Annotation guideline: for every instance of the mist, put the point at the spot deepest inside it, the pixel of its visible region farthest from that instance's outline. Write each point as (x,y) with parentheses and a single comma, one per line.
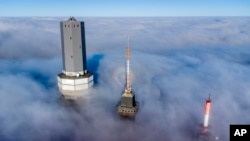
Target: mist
(175,62)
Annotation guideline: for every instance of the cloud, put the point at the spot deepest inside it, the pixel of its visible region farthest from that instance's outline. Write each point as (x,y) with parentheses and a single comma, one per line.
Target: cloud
(176,63)
(26,38)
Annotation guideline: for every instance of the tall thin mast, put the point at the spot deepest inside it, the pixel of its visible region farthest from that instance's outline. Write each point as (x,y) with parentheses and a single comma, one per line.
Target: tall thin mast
(128,86)
(207,113)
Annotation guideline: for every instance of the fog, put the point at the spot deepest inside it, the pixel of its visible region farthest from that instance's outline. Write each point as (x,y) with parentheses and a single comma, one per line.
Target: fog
(176,62)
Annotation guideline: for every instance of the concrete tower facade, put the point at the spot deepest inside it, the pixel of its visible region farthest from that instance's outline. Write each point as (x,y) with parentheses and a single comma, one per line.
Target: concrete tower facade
(74,78)
(128,106)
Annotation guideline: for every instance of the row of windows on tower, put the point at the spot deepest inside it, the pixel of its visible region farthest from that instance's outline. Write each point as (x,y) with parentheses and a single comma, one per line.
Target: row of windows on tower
(127,111)
(73,25)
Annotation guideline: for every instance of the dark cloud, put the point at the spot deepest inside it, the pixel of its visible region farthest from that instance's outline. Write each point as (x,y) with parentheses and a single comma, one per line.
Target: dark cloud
(176,63)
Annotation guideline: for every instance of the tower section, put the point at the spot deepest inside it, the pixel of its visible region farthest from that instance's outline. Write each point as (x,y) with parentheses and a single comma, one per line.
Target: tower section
(74,78)
(207,115)
(128,106)
(205,134)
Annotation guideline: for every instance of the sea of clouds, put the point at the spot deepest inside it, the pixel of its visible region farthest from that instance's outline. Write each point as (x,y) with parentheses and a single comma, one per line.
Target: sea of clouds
(176,62)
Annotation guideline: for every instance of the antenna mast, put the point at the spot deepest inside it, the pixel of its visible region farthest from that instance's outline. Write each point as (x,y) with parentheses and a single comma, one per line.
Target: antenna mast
(128,86)
(207,113)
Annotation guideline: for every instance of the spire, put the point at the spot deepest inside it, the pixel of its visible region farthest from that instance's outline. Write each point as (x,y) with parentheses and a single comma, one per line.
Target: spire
(207,113)
(71,18)
(128,106)
(128,85)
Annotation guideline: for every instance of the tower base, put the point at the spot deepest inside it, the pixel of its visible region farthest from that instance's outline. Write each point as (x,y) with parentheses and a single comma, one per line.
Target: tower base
(128,106)
(72,87)
(128,111)
(206,137)
(204,134)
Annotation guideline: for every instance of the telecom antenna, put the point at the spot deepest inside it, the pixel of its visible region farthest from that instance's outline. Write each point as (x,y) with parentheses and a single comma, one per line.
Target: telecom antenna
(128,86)
(128,106)
(207,113)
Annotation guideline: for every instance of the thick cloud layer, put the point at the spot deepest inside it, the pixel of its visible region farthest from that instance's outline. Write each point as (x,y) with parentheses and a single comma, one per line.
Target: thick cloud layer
(176,63)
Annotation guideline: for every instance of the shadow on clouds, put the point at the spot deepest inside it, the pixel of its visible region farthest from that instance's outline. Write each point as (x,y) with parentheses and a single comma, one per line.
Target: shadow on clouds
(93,64)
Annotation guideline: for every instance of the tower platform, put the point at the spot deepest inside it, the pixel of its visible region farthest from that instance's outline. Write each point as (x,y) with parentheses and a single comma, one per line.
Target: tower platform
(128,106)
(73,87)
(206,137)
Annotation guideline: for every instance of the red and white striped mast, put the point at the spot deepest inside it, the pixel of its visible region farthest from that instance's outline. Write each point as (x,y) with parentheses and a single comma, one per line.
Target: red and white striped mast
(207,113)
(128,85)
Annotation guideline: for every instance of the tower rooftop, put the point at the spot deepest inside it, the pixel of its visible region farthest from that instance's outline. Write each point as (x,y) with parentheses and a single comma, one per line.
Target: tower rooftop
(71,19)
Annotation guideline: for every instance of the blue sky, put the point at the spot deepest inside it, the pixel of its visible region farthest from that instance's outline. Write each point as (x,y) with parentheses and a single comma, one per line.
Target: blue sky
(111,8)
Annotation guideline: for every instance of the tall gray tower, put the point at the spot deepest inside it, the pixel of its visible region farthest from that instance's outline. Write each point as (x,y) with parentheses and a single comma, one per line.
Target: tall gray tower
(74,78)
(128,106)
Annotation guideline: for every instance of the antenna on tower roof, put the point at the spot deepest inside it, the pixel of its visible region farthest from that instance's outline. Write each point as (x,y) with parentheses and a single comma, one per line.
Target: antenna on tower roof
(207,113)
(128,106)
(128,87)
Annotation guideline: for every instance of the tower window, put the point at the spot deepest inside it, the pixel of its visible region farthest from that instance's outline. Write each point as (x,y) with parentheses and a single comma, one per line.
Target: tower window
(74,25)
(71,56)
(65,25)
(68,25)
(70,37)
(78,25)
